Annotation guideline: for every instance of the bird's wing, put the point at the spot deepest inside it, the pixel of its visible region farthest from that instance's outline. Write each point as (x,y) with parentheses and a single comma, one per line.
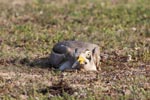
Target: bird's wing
(55,59)
(60,52)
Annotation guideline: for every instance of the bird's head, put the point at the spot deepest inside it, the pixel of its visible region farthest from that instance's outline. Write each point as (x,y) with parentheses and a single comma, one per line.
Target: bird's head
(83,59)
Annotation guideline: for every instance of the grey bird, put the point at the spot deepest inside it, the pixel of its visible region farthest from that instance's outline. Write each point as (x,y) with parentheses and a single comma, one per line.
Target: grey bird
(75,55)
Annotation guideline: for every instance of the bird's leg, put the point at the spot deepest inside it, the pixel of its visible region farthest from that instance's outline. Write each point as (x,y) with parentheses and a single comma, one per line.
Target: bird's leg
(75,65)
(65,65)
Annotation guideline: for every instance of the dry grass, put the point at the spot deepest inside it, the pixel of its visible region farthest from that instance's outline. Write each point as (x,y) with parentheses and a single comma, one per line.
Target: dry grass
(29,29)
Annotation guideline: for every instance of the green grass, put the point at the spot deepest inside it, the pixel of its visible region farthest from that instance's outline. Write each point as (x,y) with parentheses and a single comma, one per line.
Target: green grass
(28,31)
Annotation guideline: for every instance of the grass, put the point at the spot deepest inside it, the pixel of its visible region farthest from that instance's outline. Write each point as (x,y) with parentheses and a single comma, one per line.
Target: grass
(29,29)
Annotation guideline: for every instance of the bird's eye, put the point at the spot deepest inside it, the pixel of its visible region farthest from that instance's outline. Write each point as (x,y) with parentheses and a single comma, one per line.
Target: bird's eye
(88,55)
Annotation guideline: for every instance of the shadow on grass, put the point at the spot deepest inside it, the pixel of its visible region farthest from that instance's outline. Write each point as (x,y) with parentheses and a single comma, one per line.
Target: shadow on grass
(39,62)
(58,89)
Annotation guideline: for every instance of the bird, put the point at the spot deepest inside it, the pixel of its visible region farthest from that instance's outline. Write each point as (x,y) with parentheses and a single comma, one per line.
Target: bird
(75,55)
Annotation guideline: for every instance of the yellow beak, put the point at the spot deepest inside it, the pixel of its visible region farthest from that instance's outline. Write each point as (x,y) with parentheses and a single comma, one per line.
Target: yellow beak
(81,60)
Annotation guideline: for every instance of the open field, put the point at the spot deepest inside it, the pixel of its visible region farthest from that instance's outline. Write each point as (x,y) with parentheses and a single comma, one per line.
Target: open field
(30,28)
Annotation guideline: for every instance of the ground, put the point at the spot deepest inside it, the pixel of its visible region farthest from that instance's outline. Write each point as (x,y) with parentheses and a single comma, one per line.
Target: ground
(30,28)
